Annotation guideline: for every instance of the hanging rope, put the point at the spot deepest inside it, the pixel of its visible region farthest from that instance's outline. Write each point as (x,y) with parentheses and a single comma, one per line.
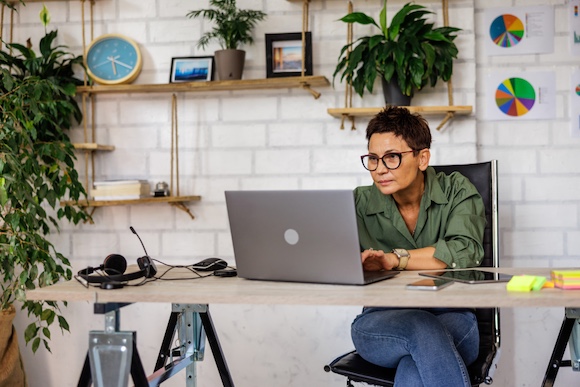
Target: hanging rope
(11,28)
(174,147)
(2,21)
(445,4)
(305,11)
(93,131)
(92,18)
(89,156)
(348,90)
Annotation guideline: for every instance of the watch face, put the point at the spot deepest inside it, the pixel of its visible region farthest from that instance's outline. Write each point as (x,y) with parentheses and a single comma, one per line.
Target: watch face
(401,252)
(113,59)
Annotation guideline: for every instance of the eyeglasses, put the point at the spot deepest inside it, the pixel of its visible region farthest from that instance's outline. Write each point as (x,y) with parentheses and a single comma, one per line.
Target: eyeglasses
(390,160)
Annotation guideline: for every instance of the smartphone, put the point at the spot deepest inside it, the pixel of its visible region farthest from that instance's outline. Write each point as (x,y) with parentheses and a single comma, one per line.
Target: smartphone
(429,284)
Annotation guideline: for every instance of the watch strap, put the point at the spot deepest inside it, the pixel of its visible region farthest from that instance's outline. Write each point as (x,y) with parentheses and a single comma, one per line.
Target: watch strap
(403,256)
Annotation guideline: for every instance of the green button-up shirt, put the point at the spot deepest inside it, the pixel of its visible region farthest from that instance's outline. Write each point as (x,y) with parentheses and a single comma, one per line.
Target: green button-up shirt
(451,219)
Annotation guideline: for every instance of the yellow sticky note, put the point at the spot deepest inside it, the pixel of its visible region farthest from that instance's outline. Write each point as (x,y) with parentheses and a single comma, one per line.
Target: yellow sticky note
(521,283)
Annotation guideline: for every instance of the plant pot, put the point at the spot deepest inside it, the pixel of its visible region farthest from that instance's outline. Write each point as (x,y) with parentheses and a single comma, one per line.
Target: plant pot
(230,64)
(11,367)
(393,94)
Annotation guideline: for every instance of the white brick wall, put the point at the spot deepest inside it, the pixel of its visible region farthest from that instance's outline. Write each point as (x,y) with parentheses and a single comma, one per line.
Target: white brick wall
(284,139)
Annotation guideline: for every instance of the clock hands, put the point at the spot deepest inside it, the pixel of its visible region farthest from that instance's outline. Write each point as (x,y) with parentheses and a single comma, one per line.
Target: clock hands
(114,60)
(123,64)
(102,63)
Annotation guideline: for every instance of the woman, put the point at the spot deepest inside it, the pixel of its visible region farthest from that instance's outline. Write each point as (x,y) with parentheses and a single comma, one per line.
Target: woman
(412,218)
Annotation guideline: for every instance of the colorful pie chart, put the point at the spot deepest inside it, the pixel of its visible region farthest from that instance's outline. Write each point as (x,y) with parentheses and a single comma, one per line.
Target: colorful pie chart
(506,30)
(515,97)
(578,89)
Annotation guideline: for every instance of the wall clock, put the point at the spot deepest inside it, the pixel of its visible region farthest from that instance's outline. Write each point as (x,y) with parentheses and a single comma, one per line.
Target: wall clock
(113,59)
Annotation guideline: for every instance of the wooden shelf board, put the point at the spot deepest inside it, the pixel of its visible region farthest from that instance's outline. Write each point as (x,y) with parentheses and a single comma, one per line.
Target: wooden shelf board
(423,110)
(37,1)
(151,200)
(93,147)
(244,84)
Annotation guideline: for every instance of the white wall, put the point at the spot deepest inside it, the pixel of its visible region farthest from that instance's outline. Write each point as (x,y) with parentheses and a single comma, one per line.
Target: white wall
(284,138)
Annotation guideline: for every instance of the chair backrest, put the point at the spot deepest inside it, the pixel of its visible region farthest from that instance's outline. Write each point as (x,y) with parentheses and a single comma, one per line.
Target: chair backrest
(484,177)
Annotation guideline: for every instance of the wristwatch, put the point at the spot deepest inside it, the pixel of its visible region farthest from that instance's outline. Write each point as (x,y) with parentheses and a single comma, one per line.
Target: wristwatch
(403,256)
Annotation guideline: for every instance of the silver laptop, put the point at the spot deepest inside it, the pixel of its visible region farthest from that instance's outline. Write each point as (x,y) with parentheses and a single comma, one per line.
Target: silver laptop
(301,236)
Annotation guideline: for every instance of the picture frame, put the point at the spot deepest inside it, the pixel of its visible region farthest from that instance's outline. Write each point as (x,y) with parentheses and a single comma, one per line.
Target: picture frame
(284,55)
(192,69)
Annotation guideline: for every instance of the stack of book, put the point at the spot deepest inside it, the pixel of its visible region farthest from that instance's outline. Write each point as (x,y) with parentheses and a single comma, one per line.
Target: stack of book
(566,279)
(120,189)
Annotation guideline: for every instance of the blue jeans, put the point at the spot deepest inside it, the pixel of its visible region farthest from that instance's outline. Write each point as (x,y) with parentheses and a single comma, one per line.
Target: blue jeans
(428,346)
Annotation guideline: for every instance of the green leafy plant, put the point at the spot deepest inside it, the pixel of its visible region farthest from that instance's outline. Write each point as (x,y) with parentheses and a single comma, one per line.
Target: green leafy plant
(233,26)
(410,51)
(37,107)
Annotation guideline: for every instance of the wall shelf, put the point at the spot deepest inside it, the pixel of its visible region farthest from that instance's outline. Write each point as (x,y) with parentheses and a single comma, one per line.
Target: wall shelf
(305,82)
(423,110)
(90,146)
(448,111)
(177,201)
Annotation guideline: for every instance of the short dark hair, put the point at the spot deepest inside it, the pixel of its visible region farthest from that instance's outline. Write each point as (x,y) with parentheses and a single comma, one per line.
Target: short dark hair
(412,128)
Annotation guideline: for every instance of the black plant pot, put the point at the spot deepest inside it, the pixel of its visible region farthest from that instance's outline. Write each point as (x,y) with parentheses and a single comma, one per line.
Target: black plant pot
(393,94)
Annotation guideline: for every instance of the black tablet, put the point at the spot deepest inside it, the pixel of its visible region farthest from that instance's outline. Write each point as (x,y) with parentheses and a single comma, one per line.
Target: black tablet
(468,276)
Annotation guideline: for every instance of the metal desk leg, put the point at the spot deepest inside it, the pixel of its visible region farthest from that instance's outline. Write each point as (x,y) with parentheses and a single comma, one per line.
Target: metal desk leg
(165,351)
(191,322)
(112,354)
(216,349)
(571,316)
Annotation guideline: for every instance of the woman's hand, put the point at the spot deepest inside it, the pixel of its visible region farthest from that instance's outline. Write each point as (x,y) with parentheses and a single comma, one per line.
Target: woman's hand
(375,260)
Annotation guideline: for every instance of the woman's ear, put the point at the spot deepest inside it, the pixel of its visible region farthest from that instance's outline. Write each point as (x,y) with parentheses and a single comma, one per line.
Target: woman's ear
(424,157)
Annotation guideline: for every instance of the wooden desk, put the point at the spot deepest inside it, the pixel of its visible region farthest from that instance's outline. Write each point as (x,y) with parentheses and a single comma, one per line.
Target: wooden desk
(392,292)
(234,290)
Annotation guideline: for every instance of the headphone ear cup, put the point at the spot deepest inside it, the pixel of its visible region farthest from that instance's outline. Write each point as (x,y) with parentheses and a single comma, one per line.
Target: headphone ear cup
(114,264)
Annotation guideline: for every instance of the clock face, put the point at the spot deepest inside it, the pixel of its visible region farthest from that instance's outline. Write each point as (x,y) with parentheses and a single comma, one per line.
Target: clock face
(113,59)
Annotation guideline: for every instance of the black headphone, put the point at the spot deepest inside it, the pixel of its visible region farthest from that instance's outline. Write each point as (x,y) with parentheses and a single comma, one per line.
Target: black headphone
(113,267)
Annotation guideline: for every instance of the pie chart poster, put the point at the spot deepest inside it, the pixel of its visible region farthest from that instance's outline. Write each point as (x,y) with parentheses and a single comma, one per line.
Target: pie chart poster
(519,30)
(520,96)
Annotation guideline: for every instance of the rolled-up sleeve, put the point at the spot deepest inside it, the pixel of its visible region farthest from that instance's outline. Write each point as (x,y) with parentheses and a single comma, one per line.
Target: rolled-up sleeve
(461,243)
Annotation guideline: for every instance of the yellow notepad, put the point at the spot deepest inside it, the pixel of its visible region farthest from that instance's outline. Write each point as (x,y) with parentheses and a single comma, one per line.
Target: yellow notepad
(525,283)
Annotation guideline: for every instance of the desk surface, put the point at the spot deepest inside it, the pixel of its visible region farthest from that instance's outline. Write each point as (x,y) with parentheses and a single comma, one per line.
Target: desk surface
(392,292)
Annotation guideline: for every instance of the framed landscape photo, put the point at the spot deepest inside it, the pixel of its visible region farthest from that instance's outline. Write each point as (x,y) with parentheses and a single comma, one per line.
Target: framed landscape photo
(284,55)
(192,69)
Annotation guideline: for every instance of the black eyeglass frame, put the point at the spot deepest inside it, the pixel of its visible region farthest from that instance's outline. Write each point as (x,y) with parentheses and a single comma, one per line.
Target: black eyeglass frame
(398,154)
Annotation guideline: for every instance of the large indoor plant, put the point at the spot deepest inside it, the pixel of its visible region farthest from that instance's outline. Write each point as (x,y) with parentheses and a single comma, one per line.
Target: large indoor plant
(410,53)
(37,106)
(233,28)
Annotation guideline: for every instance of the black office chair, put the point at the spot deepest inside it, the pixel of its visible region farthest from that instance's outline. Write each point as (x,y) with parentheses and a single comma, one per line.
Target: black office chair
(356,369)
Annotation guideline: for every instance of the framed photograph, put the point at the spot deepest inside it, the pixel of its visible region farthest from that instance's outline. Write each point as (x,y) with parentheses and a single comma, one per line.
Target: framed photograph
(191,69)
(284,55)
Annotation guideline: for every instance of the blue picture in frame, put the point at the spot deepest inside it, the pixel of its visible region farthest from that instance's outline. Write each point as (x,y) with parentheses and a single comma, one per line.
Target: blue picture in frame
(192,69)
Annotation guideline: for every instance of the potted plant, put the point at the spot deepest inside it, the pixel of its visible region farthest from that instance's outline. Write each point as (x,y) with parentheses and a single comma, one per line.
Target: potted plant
(410,53)
(37,107)
(233,27)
